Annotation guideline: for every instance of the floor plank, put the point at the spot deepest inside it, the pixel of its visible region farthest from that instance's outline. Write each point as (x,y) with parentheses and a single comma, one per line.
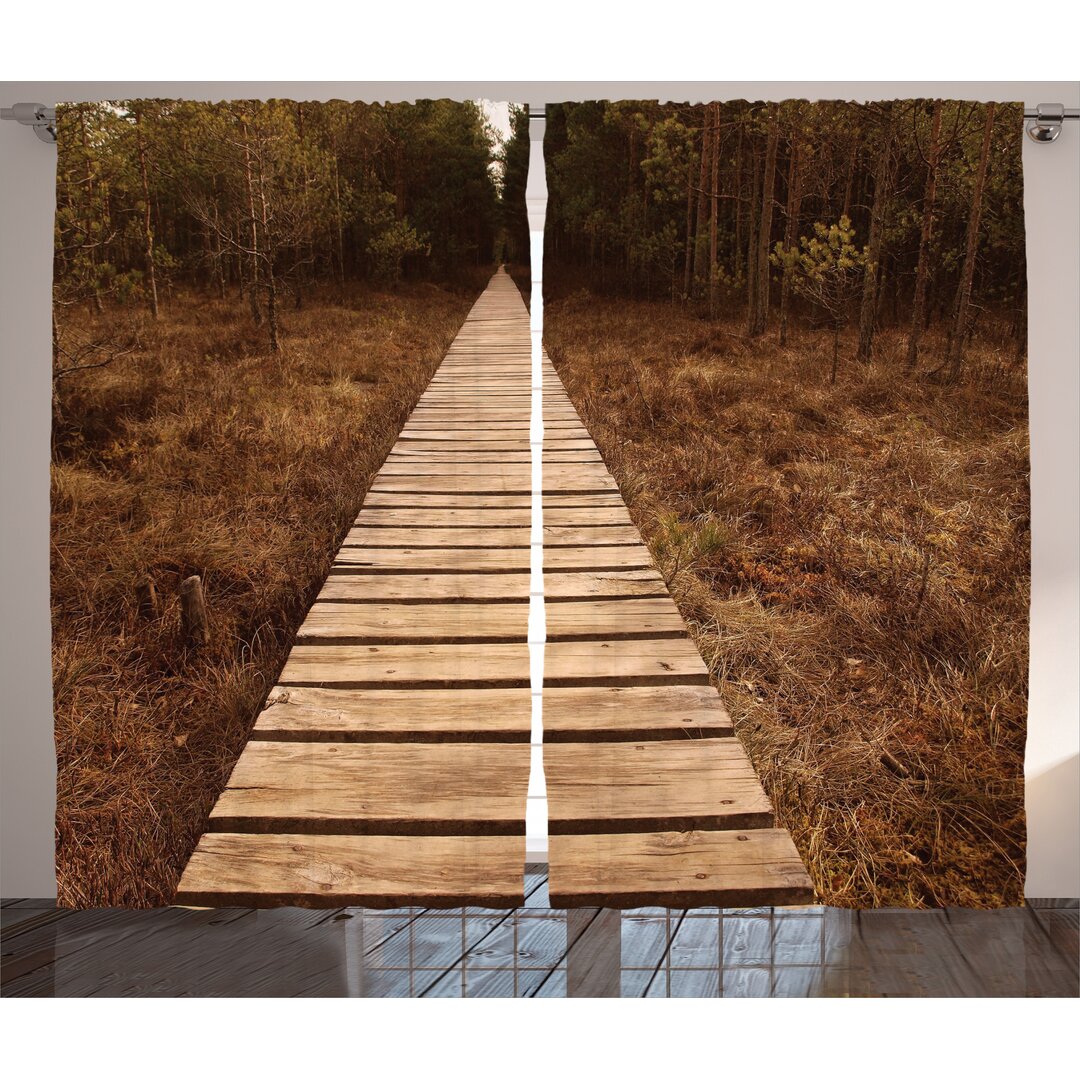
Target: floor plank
(676,869)
(367,871)
(655,786)
(594,713)
(405,624)
(309,714)
(386,788)
(416,666)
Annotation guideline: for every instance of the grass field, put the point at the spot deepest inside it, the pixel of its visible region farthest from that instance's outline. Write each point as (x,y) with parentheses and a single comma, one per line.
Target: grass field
(853,561)
(198,452)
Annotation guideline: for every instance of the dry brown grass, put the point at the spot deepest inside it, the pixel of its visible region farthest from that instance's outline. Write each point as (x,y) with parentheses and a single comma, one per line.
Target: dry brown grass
(201,453)
(853,561)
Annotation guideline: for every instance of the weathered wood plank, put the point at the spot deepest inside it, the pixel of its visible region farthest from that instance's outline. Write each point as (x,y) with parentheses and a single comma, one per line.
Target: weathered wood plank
(598,557)
(417,536)
(425,560)
(376,788)
(677,869)
(388,500)
(399,624)
(583,517)
(445,518)
(654,786)
(425,588)
(610,619)
(611,584)
(311,714)
(659,662)
(600,713)
(361,871)
(417,666)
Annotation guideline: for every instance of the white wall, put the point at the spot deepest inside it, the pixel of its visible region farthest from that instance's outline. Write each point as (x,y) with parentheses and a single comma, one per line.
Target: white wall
(1052,179)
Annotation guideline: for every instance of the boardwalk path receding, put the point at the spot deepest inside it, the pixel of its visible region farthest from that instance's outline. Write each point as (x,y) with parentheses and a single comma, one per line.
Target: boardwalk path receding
(391,766)
(651,800)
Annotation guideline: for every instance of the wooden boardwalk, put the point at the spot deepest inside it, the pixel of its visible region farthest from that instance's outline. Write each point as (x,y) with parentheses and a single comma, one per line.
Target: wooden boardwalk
(651,800)
(391,765)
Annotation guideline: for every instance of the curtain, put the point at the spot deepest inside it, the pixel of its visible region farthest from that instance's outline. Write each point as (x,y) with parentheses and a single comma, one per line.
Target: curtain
(772,547)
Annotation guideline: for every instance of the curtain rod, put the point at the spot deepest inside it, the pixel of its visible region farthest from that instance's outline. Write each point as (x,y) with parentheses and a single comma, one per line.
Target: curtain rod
(1043,122)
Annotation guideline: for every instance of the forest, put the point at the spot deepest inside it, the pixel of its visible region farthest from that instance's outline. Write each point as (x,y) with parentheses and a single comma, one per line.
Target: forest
(249,297)
(901,213)
(797,333)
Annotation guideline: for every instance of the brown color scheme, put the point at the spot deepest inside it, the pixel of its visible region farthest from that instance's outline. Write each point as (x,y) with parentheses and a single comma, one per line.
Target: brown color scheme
(406,789)
(230,869)
(404,708)
(613,713)
(315,714)
(632,823)
(676,869)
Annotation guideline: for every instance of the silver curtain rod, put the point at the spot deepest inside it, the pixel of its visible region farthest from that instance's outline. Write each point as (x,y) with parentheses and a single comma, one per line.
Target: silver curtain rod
(1043,122)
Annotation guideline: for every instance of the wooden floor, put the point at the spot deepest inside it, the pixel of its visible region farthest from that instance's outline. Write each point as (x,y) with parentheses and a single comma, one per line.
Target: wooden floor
(391,764)
(538,951)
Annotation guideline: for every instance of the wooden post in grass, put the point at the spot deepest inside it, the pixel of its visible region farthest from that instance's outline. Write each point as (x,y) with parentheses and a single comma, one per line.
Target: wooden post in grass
(193,611)
(146,594)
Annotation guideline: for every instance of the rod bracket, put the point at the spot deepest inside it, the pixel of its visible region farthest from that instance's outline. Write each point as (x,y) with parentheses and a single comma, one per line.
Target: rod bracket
(1045,125)
(33,114)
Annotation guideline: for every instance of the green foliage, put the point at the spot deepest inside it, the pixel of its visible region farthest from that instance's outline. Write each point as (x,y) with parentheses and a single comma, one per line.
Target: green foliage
(828,268)
(271,195)
(390,246)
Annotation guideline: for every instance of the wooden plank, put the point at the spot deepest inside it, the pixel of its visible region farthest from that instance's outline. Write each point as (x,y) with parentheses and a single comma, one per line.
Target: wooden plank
(427,560)
(439,518)
(425,588)
(596,713)
(677,869)
(609,584)
(417,666)
(417,536)
(610,619)
(580,536)
(361,871)
(407,789)
(311,714)
(582,517)
(509,471)
(596,500)
(598,557)
(659,662)
(654,786)
(399,624)
(456,484)
(395,500)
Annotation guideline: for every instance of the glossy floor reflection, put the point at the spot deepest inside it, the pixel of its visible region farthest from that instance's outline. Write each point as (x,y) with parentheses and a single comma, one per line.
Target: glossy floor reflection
(537,951)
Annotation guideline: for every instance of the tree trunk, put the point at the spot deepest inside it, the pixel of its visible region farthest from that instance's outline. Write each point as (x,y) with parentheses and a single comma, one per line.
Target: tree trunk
(868,309)
(759,312)
(702,211)
(850,181)
(752,235)
(688,256)
(791,231)
(269,255)
(714,201)
(926,234)
(967,274)
(253,282)
(148,229)
(340,227)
